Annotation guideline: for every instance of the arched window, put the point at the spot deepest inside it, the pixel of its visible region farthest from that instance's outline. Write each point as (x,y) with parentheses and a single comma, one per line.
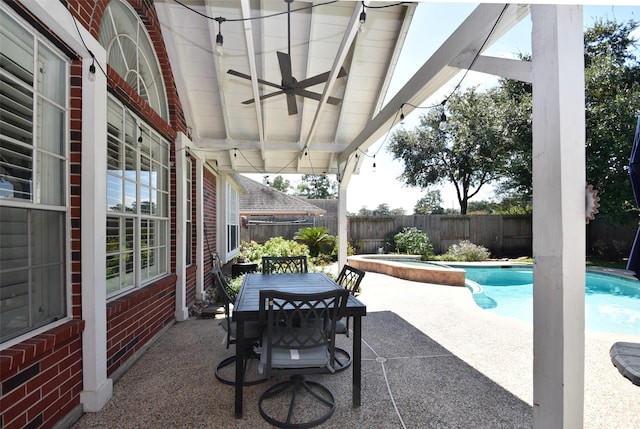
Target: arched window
(137,159)
(131,54)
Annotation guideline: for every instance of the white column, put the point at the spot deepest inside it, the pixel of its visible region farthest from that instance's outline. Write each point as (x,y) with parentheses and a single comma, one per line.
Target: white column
(342,226)
(97,387)
(200,286)
(182,312)
(558,216)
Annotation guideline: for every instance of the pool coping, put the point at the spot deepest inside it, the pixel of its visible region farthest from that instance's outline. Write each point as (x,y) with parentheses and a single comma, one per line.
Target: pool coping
(436,273)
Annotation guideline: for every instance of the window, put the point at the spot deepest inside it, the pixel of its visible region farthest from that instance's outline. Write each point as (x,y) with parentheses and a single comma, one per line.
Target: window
(137,201)
(33,180)
(232,220)
(130,53)
(188,221)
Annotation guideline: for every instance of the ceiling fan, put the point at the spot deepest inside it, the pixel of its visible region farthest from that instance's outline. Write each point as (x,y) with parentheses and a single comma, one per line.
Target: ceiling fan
(289,85)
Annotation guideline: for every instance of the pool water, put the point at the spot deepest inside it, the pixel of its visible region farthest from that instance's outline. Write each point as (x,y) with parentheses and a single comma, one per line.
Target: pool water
(612,303)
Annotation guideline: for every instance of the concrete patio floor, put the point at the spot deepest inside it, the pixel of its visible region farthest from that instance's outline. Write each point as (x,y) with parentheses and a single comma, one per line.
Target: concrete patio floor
(431,359)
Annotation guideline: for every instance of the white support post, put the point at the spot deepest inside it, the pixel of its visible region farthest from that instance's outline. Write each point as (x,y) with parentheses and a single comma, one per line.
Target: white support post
(558,216)
(181,312)
(97,388)
(342,226)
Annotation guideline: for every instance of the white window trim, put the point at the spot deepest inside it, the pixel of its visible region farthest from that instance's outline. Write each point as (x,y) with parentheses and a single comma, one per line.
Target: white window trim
(66,209)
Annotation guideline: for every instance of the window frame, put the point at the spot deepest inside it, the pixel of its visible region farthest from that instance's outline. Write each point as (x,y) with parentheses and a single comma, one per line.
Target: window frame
(46,95)
(131,142)
(189,211)
(231,220)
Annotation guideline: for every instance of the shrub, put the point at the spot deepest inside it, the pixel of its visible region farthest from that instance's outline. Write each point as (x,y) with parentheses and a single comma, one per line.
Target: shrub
(467,251)
(413,241)
(250,251)
(278,246)
(317,238)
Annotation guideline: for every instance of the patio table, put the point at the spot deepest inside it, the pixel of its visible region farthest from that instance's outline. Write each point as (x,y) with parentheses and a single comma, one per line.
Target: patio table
(247,305)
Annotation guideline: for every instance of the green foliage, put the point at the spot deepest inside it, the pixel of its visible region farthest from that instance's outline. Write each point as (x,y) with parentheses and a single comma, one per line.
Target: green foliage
(280,184)
(364,211)
(612,79)
(471,151)
(431,203)
(250,251)
(467,252)
(316,238)
(413,241)
(612,97)
(278,246)
(317,186)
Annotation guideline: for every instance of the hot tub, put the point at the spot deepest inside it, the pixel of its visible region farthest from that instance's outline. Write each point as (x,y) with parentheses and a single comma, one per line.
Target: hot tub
(409,267)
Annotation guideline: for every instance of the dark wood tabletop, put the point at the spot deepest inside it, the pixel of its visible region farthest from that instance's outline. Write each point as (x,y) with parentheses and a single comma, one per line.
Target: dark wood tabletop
(248,299)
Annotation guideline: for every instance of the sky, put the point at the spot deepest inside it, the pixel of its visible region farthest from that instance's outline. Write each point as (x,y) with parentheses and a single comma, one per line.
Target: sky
(419,45)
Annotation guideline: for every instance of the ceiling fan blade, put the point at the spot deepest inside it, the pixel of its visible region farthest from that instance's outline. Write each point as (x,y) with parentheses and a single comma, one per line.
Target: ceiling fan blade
(316,96)
(246,76)
(285,68)
(320,78)
(292,106)
(263,97)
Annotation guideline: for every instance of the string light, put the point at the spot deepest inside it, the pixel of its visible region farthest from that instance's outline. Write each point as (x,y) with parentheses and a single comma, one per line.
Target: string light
(92,70)
(363,18)
(219,38)
(374,163)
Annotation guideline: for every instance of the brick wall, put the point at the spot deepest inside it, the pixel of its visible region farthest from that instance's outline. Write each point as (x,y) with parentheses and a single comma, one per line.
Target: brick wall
(209,202)
(136,318)
(41,378)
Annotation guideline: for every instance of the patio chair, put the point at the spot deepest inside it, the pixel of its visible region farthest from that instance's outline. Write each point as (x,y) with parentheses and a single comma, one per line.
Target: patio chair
(349,278)
(284,264)
(225,369)
(297,341)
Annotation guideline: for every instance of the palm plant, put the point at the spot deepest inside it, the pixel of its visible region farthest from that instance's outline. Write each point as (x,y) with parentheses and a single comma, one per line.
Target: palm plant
(315,238)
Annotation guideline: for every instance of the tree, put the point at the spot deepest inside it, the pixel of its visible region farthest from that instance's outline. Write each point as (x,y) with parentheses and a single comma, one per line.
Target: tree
(612,79)
(382,210)
(317,186)
(280,184)
(612,97)
(431,203)
(398,212)
(364,211)
(470,152)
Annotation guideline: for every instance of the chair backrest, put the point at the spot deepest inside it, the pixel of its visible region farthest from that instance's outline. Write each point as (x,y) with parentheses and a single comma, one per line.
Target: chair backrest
(300,330)
(350,278)
(225,299)
(284,264)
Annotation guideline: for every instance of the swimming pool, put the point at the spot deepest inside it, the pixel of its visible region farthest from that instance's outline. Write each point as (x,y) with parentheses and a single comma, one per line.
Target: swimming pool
(612,303)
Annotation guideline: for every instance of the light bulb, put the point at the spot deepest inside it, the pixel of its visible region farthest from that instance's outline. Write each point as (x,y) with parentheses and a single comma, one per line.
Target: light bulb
(92,72)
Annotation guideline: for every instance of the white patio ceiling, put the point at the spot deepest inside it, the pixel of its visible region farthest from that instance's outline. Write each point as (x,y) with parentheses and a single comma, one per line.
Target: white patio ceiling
(263,137)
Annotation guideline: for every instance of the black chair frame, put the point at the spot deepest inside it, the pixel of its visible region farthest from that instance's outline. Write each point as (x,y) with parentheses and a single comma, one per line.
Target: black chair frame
(299,322)
(284,264)
(349,278)
(252,329)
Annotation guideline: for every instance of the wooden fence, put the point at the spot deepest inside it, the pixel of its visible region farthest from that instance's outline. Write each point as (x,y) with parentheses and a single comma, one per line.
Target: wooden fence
(503,235)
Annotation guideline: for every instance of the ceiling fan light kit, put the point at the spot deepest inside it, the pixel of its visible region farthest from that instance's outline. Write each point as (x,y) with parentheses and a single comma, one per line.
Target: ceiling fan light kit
(289,84)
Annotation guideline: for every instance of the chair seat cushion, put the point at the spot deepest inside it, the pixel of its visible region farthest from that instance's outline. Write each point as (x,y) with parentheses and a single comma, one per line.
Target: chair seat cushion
(287,357)
(252,330)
